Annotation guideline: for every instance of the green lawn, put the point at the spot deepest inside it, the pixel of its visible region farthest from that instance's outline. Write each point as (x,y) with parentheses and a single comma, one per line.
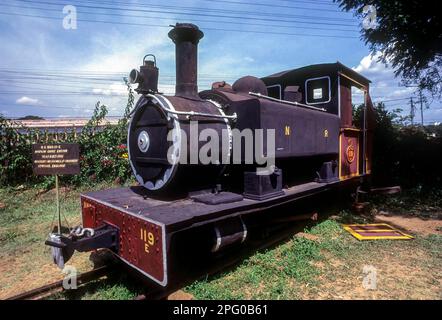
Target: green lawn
(328,263)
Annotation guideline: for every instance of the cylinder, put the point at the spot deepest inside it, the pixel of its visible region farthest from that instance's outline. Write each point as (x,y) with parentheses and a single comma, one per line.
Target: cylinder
(229,232)
(186,37)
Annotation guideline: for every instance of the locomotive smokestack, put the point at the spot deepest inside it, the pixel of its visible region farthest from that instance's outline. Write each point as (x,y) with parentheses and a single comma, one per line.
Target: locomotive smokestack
(186,37)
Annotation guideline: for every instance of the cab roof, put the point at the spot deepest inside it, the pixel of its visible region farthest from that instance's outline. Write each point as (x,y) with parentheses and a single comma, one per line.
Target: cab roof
(313,71)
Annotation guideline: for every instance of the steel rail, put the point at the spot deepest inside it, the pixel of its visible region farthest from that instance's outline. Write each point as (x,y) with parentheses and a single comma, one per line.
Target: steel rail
(280,233)
(52,288)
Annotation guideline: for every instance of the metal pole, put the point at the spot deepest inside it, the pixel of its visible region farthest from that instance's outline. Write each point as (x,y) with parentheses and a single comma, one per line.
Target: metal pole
(58,204)
(422,110)
(412,110)
(364,132)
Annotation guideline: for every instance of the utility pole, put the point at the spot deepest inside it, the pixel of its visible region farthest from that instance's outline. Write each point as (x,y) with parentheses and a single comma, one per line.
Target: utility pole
(412,110)
(421,101)
(422,109)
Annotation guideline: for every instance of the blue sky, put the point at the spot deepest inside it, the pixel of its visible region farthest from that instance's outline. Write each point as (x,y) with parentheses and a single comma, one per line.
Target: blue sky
(49,71)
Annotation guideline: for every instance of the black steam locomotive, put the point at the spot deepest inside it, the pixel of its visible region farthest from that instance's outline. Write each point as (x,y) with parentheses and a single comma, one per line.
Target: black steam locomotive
(300,107)
(272,141)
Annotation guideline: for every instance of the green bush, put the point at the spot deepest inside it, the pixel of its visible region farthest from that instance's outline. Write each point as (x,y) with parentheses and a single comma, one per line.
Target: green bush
(404,154)
(102,150)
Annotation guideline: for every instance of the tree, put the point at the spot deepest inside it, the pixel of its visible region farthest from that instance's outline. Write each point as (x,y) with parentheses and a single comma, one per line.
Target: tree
(30,117)
(408,34)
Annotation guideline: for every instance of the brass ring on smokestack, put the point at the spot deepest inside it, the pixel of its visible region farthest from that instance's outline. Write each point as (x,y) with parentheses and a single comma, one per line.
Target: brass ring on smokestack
(186,37)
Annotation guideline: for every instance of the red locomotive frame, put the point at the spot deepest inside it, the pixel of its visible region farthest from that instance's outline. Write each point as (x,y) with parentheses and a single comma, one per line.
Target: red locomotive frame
(141,242)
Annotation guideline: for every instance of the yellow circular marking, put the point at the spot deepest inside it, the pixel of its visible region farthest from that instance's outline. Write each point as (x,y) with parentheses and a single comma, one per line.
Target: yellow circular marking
(350,153)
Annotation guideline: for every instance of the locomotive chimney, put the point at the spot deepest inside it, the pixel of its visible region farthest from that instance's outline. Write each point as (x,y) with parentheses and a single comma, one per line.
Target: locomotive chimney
(186,37)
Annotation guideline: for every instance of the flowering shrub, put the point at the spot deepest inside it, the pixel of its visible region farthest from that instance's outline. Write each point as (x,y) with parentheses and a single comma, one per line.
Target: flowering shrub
(15,153)
(103,153)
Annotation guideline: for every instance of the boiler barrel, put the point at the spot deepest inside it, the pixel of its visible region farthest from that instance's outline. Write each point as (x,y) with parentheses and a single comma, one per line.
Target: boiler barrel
(167,136)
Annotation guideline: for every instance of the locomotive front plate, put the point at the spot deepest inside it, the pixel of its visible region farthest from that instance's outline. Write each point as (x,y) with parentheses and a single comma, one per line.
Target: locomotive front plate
(142,241)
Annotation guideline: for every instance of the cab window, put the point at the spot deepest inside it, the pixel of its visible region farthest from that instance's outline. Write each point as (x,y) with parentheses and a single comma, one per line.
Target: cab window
(317,90)
(274,91)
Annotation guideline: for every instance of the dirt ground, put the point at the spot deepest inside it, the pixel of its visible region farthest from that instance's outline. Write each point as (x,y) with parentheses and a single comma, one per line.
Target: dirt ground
(28,270)
(403,270)
(412,224)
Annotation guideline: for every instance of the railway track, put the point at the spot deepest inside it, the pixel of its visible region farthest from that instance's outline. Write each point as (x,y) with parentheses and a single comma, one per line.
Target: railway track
(152,292)
(56,287)
(232,260)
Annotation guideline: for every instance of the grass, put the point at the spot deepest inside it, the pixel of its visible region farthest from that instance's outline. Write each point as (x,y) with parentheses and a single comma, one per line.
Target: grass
(26,218)
(325,263)
(270,274)
(28,215)
(330,266)
(116,286)
(414,202)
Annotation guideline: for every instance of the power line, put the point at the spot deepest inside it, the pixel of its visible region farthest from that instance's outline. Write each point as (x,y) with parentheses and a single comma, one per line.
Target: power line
(54,107)
(254,4)
(66,117)
(399,99)
(41,93)
(318,2)
(44,72)
(167,26)
(68,76)
(21,74)
(267,5)
(221,10)
(196,20)
(103,81)
(313,1)
(191,14)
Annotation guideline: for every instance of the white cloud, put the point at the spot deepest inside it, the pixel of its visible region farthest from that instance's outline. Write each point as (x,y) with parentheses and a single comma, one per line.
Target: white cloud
(113,89)
(168,89)
(115,56)
(122,52)
(370,64)
(28,101)
(386,86)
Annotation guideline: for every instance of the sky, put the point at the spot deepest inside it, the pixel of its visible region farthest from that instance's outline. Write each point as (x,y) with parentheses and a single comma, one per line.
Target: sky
(50,71)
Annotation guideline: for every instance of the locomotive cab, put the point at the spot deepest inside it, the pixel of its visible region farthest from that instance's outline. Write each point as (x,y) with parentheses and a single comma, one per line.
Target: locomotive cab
(329,87)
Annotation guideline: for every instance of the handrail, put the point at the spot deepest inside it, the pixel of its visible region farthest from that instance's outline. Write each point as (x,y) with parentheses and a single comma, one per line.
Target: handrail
(286,102)
(190,114)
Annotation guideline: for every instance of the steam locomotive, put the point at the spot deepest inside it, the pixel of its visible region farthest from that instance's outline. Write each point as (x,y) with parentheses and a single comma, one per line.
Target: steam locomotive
(266,141)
